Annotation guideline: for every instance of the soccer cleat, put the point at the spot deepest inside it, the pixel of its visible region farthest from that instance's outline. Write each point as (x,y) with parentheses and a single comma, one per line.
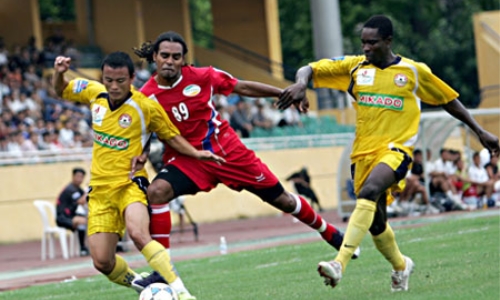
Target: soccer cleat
(336,242)
(186,296)
(146,279)
(400,279)
(331,272)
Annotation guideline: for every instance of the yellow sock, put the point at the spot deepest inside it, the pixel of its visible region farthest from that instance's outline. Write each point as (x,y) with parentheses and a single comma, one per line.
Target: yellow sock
(386,244)
(121,274)
(159,259)
(359,223)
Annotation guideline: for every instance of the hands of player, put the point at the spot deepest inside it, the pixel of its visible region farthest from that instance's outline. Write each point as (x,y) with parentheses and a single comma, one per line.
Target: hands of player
(137,163)
(207,155)
(61,64)
(490,142)
(294,94)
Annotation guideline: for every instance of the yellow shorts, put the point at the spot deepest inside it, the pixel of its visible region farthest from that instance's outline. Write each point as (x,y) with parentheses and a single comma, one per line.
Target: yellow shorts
(107,204)
(397,161)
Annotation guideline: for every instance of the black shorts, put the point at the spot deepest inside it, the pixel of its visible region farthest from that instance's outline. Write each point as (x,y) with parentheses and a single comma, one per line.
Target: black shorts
(65,222)
(181,184)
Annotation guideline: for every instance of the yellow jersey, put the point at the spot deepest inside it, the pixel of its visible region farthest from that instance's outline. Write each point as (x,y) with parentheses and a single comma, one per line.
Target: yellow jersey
(387,101)
(120,133)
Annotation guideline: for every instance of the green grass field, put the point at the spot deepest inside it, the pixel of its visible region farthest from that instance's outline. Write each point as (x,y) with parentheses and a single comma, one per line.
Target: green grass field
(455,259)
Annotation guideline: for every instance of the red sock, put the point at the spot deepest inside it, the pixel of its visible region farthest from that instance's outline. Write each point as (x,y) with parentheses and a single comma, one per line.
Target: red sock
(161,224)
(306,214)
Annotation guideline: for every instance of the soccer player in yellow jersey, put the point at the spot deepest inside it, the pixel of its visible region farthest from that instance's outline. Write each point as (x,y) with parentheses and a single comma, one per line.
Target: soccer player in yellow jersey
(122,121)
(388,90)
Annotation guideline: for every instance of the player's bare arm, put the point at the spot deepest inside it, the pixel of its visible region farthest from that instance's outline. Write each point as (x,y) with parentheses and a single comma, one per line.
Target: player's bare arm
(457,110)
(296,93)
(256,89)
(61,65)
(184,147)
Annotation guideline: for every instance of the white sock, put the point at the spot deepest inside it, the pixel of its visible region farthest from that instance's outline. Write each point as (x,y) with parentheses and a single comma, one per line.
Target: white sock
(178,286)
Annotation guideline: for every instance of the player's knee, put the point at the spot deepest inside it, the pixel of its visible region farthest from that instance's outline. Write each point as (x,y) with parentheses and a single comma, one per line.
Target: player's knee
(159,193)
(285,202)
(102,264)
(370,191)
(377,228)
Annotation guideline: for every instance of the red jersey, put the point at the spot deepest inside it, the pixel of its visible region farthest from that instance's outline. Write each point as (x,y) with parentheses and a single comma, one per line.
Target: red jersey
(188,103)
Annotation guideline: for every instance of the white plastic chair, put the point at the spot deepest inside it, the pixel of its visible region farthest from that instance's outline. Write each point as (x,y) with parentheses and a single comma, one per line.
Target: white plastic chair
(47,212)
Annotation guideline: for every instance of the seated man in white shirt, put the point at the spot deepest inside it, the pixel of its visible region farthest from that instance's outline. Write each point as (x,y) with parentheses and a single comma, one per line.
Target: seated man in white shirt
(479,178)
(440,174)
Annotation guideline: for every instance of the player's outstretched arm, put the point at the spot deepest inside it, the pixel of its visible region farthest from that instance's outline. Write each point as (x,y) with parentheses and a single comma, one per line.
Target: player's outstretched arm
(184,147)
(256,89)
(61,65)
(296,93)
(457,110)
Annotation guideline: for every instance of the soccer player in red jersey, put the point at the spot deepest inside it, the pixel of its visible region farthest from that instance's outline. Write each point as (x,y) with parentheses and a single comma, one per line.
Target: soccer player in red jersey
(185,92)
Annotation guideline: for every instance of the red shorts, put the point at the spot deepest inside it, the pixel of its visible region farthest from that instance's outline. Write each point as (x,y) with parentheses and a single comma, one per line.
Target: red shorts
(242,169)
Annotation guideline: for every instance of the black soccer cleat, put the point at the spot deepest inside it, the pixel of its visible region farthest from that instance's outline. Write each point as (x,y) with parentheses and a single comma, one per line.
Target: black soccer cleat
(141,283)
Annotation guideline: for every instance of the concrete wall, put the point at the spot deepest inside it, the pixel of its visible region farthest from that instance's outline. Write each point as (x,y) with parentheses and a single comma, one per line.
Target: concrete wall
(16,22)
(486,34)
(20,185)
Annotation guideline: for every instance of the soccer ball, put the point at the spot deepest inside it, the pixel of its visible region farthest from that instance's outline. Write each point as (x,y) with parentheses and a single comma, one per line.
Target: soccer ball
(158,291)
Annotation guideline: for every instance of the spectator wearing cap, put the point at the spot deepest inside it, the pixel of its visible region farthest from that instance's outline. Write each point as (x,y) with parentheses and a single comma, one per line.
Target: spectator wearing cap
(260,118)
(240,119)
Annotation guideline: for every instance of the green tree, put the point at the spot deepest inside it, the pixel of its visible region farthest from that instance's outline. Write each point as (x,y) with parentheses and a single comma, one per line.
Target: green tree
(201,22)
(57,10)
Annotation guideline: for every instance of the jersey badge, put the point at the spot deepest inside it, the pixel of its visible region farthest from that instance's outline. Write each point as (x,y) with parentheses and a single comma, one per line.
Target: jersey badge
(400,80)
(365,77)
(80,85)
(125,120)
(98,112)
(191,90)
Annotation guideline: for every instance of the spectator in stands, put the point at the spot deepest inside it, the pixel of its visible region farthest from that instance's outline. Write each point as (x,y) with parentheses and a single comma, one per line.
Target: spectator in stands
(291,117)
(4,54)
(492,168)
(31,76)
(479,178)
(66,134)
(485,156)
(35,140)
(142,74)
(240,119)
(69,49)
(71,213)
(441,190)
(4,143)
(415,182)
(260,118)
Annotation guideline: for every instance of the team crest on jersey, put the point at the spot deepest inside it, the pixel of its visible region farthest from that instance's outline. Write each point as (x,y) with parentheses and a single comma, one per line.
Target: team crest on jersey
(98,112)
(365,77)
(400,80)
(191,90)
(125,120)
(80,85)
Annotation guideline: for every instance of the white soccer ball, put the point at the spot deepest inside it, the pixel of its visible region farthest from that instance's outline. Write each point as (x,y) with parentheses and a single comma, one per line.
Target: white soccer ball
(158,291)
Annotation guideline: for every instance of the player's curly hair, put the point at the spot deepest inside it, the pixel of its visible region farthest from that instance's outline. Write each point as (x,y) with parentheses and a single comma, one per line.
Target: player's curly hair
(382,23)
(147,49)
